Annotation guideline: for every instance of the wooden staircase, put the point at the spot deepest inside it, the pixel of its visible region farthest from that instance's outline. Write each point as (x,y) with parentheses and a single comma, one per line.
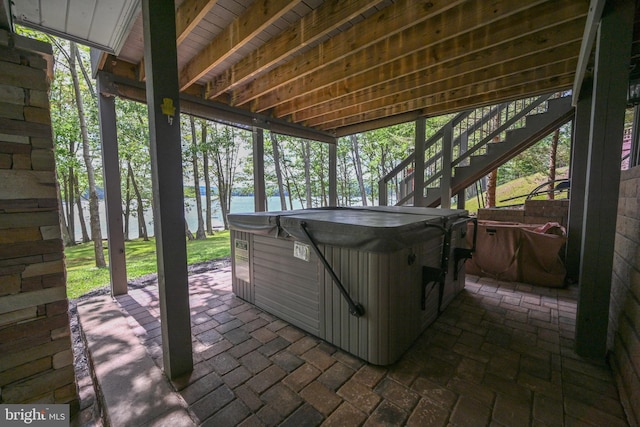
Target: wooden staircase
(479,141)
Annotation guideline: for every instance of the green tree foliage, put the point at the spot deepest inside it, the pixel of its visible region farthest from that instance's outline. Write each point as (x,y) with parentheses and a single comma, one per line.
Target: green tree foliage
(76,139)
(135,162)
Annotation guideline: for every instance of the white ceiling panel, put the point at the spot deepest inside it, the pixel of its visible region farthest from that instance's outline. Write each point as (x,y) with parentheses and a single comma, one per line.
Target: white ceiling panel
(55,12)
(104,24)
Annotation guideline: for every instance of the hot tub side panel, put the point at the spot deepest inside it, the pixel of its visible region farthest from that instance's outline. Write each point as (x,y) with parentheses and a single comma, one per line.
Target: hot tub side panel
(390,289)
(286,286)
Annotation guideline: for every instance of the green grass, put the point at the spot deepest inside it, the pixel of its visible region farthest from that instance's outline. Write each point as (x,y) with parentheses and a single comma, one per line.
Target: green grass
(517,187)
(83,276)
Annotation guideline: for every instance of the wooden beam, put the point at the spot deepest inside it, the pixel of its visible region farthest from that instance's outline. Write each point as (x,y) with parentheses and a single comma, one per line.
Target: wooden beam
(477,48)
(188,16)
(329,16)
(257,17)
(390,20)
(376,123)
(384,59)
(216,111)
(609,101)
(588,38)
(168,193)
(415,93)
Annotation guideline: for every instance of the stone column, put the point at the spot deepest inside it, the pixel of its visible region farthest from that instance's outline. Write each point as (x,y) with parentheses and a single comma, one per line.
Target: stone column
(36,358)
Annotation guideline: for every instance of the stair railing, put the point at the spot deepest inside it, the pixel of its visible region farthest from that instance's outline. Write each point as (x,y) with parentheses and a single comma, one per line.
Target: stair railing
(472,131)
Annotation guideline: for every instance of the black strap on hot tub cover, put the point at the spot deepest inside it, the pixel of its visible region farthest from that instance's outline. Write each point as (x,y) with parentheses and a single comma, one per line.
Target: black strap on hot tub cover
(355,308)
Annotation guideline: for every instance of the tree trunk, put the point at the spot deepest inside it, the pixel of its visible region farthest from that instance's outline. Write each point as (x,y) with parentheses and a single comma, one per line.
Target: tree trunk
(200,233)
(188,232)
(66,237)
(127,206)
(292,186)
(83,225)
(492,181)
(321,177)
(276,162)
(87,79)
(94,215)
(225,159)
(357,163)
(69,196)
(142,225)
(553,154)
(307,173)
(207,179)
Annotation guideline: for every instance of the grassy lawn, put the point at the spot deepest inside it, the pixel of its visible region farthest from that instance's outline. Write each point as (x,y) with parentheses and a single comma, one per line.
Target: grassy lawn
(517,187)
(83,276)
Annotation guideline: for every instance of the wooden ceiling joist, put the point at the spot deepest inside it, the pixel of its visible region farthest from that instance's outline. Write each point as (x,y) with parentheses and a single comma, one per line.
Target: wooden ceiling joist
(479,47)
(254,20)
(188,16)
(527,53)
(389,21)
(425,33)
(408,92)
(343,66)
(537,81)
(311,28)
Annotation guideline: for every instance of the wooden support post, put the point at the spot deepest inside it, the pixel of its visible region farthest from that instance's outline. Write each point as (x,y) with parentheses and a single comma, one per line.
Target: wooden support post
(447,154)
(603,177)
(160,60)
(579,156)
(461,199)
(464,146)
(112,192)
(259,192)
(333,174)
(418,170)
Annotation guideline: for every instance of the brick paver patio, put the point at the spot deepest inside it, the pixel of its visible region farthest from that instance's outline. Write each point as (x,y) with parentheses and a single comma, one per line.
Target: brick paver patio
(501,354)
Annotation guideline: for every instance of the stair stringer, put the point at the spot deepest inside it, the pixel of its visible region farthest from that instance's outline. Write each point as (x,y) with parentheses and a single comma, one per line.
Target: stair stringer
(538,126)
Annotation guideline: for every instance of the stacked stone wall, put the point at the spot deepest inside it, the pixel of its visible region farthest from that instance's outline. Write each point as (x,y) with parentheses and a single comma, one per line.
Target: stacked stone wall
(624,312)
(533,212)
(36,358)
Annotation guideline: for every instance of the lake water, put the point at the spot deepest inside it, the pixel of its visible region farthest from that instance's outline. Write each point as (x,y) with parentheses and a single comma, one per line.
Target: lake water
(238,204)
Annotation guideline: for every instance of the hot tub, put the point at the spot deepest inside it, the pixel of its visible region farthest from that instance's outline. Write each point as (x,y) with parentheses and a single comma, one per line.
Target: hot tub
(368,280)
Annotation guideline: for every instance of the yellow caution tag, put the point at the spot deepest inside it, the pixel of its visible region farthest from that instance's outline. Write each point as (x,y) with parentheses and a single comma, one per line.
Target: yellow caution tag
(168,109)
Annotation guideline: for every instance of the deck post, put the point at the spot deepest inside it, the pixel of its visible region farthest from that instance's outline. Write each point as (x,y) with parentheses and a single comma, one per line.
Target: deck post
(578,177)
(447,154)
(418,170)
(112,192)
(160,60)
(464,146)
(333,173)
(259,192)
(611,74)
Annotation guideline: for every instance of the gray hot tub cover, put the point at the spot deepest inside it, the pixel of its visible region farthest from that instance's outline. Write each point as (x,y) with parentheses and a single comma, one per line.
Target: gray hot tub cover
(371,229)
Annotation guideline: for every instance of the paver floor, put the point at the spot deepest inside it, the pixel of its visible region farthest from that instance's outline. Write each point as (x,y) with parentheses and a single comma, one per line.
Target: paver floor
(501,354)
